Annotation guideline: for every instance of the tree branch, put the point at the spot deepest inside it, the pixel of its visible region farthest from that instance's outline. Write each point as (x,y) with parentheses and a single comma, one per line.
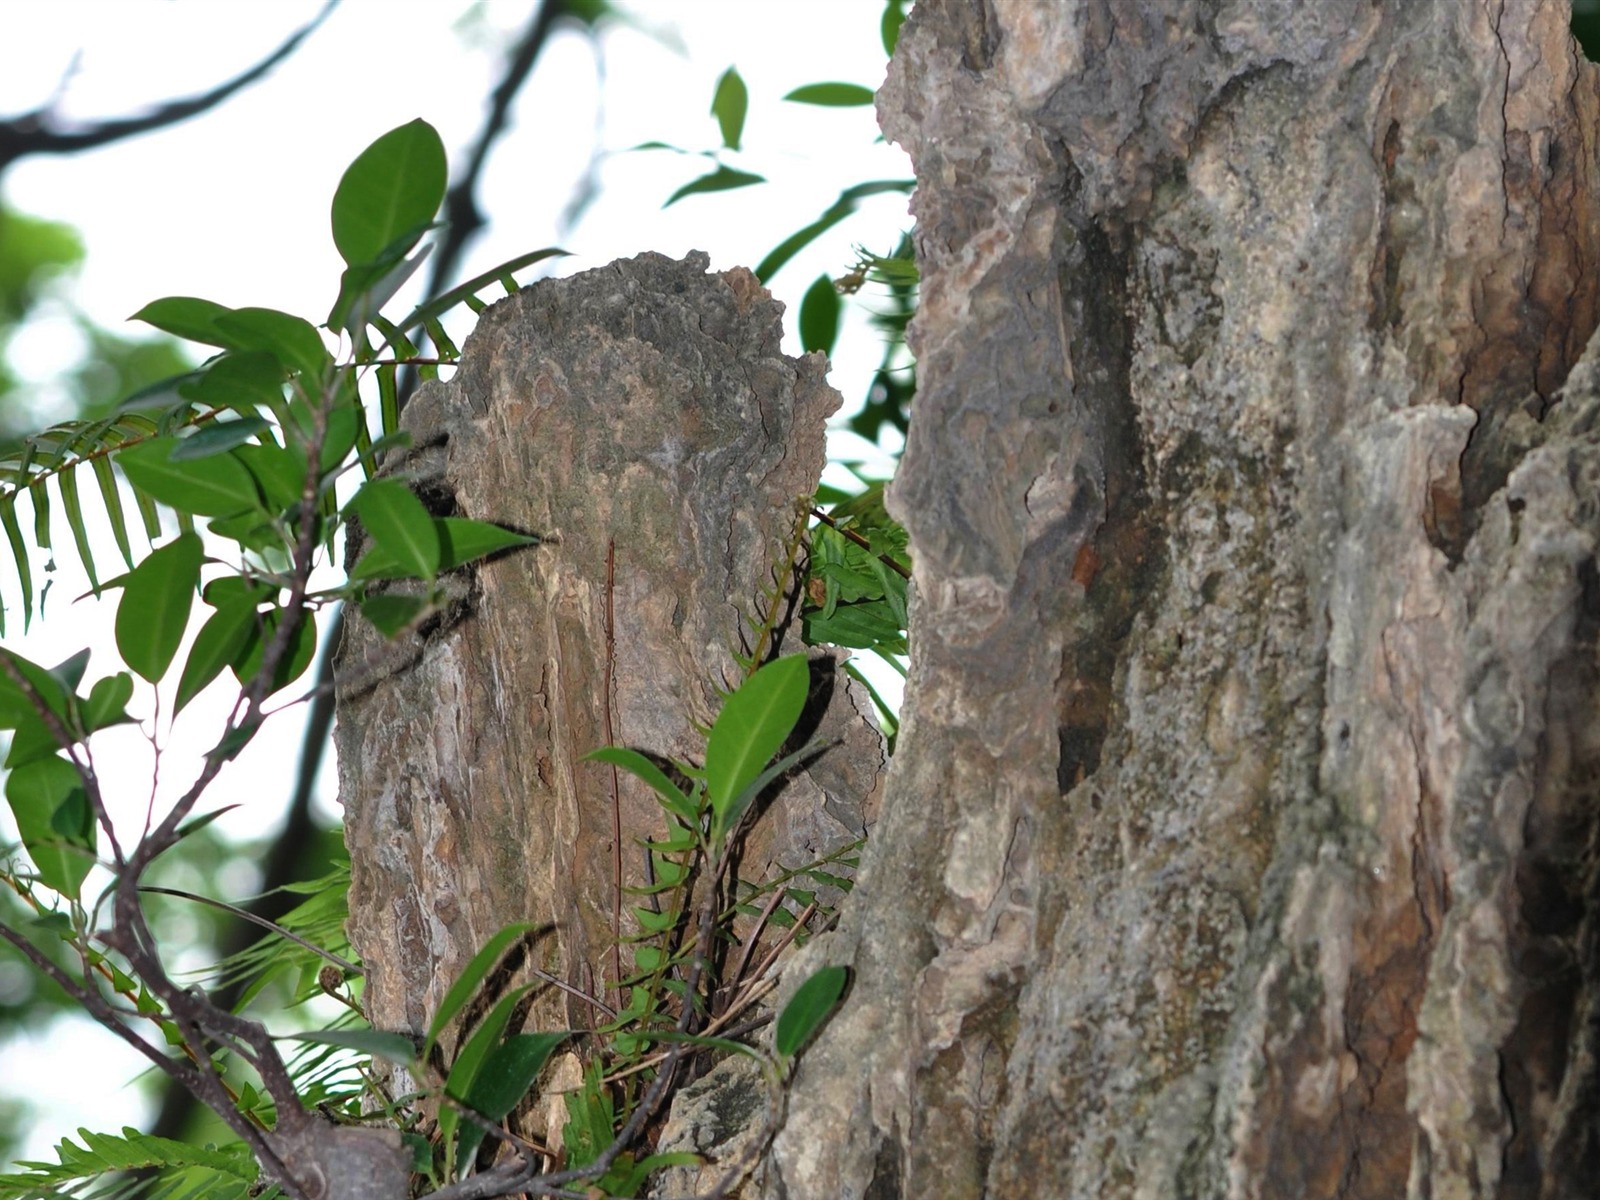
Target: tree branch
(35,132)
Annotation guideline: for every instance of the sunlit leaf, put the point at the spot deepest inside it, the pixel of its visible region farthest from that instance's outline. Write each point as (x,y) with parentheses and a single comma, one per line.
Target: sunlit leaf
(155,604)
(754,722)
(390,192)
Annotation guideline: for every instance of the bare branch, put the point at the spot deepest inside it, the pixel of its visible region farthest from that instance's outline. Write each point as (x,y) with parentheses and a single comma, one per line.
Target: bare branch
(36,133)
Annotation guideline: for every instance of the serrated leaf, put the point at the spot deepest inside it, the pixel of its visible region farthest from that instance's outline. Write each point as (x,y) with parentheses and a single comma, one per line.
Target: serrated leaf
(400,526)
(808,1008)
(154,610)
(729,104)
(754,722)
(723,179)
(832,95)
(218,486)
(391,191)
(819,316)
(459,992)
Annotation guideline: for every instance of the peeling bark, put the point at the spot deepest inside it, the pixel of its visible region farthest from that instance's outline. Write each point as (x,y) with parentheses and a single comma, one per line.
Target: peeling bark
(641,420)
(1242,838)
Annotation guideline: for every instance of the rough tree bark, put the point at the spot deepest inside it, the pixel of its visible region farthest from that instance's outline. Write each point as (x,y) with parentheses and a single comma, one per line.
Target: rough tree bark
(642,420)
(1242,836)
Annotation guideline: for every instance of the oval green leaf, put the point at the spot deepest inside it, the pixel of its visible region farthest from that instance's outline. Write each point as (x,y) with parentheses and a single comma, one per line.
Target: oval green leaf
(292,340)
(832,95)
(208,487)
(217,438)
(220,642)
(808,1008)
(819,316)
(390,192)
(188,317)
(754,722)
(154,610)
(37,792)
(729,104)
(400,525)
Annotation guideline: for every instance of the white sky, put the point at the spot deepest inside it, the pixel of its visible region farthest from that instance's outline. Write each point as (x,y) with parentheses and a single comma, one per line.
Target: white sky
(233,207)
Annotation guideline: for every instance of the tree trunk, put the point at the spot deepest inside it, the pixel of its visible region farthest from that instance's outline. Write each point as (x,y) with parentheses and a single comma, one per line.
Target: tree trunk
(641,419)
(1242,835)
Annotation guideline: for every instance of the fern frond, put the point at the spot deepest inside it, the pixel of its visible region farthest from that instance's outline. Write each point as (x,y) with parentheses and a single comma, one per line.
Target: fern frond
(215,1173)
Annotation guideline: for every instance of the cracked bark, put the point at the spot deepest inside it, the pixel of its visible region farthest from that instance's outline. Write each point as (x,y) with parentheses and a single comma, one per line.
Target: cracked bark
(641,418)
(1242,839)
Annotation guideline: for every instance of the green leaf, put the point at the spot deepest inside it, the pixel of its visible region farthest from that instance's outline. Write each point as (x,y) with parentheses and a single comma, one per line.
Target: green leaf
(219,644)
(243,380)
(218,486)
(471,287)
(808,1008)
(395,1047)
(470,1056)
(217,438)
(15,707)
(36,792)
(459,992)
(301,650)
(754,722)
(391,614)
(111,497)
(729,105)
(461,540)
(894,16)
(502,1081)
(636,764)
(279,471)
(154,610)
(832,95)
(819,316)
(390,192)
(192,319)
(68,482)
(729,816)
(292,340)
(866,625)
(400,526)
(841,208)
(108,702)
(19,555)
(721,180)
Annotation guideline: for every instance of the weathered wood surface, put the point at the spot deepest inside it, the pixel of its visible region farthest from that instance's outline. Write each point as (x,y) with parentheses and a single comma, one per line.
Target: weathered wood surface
(1241,840)
(641,418)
